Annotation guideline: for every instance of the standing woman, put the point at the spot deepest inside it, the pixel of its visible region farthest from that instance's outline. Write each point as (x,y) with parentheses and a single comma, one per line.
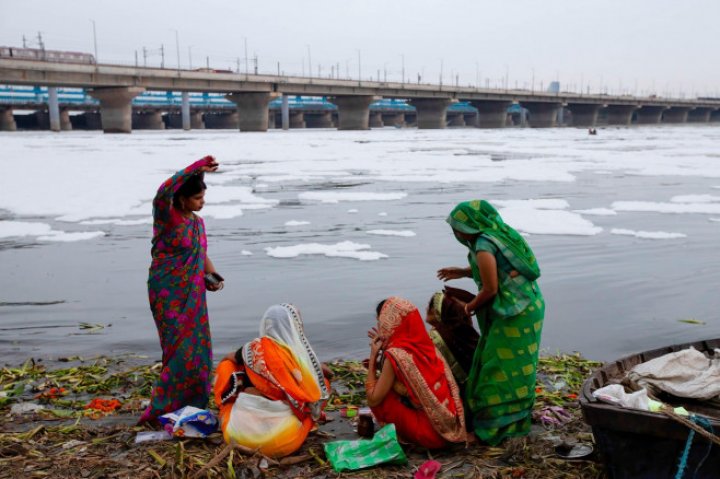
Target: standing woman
(509,306)
(176,287)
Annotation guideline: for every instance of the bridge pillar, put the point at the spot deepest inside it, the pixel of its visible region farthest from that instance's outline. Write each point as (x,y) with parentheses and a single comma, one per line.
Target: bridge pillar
(431,112)
(456,119)
(491,114)
(148,120)
(7,120)
(650,114)
(393,119)
(185,111)
(542,115)
(584,114)
(297,119)
(353,111)
(285,112)
(53,109)
(620,114)
(115,107)
(65,123)
(375,120)
(676,114)
(699,115)
(253,109)
(318,120)
(222,121)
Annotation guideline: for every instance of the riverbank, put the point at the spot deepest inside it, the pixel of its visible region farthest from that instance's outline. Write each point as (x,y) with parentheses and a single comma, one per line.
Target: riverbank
(54,425)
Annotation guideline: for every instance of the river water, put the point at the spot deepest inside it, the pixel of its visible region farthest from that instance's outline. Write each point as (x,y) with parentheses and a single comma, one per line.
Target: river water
(625,225)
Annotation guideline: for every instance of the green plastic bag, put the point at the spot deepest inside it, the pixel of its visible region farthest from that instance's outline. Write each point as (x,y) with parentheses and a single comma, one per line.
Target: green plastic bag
(352,455)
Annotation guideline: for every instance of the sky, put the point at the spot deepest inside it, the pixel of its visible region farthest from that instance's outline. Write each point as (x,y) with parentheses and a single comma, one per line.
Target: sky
(665,47)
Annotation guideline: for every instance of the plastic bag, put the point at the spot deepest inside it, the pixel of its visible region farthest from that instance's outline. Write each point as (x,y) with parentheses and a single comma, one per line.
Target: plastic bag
(189,421)
(352,455)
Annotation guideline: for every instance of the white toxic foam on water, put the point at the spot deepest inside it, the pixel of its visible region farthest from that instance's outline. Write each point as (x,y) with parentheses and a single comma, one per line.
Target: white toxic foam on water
(382,213)
(597,212)
(61,236)
(246,253)
(695,199)
(404,233)
(43,232)
(120,222)
(548,222)
(296,223)
(10,229)
(338,196)
(229,194)
(353,211)
(660,207)
(647,234)
(221,212)
(540,204)
(714,220)
(345,249)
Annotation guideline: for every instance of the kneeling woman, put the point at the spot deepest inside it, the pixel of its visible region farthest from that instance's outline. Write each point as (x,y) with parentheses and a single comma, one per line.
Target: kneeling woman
(415,390)
(272,390)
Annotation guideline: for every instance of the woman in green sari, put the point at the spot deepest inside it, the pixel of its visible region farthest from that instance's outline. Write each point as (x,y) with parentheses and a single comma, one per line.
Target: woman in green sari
(509,307)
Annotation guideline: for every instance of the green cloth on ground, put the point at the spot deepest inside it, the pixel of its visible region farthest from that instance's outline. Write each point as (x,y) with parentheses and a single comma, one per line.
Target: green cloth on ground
(383,448)
(500,390)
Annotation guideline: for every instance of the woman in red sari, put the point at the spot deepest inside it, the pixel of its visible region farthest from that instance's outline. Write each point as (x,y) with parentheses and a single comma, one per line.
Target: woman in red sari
(416,390)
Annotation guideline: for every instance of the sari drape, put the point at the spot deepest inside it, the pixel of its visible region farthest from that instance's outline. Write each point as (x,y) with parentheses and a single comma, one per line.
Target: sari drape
(176,291)
(500,390)
(283,367)
(423,372)
(452,331)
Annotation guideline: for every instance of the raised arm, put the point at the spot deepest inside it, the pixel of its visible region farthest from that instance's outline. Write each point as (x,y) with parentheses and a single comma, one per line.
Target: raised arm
(163,199)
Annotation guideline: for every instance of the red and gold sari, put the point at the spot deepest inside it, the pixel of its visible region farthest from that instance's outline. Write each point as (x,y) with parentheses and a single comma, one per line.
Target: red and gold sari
(435,414)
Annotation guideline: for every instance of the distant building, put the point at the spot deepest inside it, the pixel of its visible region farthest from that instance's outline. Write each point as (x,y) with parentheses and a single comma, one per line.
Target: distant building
(554,87)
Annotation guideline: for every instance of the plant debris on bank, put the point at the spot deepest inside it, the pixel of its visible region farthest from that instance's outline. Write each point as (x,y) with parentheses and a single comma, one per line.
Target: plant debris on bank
(78,421)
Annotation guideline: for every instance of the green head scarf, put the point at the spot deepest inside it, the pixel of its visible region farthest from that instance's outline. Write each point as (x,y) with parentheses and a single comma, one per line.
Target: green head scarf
(479,217)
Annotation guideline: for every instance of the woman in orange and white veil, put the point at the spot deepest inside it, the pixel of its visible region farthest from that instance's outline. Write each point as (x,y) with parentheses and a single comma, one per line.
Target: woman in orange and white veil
(271,391)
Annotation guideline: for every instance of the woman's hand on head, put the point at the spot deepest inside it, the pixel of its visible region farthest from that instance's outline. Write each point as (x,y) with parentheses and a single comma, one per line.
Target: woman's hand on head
(211,165)
(375,347)
(447,274)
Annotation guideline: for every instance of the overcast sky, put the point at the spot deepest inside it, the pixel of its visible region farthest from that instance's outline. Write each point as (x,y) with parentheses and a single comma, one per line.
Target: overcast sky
(628,45)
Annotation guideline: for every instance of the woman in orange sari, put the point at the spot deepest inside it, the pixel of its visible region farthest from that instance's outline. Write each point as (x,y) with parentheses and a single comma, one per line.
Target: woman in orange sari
(415,389)
(271,391)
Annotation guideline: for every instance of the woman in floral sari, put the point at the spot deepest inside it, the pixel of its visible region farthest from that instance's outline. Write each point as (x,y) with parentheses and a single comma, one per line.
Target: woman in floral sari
(176,288)
(415,390)
(500,390)
(271,392)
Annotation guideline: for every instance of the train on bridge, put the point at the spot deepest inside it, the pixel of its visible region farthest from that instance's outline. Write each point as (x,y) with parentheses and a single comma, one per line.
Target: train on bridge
(41,54)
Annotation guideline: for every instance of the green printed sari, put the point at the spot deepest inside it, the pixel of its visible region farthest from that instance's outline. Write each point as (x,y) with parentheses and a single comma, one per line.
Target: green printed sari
(500,390)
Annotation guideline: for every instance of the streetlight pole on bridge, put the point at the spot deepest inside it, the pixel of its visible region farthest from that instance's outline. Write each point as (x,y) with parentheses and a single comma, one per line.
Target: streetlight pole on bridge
(94,40)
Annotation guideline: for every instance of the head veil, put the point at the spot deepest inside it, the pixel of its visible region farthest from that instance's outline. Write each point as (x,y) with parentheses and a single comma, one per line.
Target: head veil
(282,364)
(479,217)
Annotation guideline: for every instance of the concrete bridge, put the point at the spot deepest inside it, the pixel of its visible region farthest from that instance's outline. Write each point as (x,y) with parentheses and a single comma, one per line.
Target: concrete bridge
(116,86)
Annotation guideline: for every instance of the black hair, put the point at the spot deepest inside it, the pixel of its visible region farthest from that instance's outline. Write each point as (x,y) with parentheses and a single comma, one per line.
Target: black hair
(192,186)
(379,306)
(238,357)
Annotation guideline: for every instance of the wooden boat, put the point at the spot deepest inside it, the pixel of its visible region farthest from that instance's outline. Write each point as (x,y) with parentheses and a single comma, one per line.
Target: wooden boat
(641,444)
